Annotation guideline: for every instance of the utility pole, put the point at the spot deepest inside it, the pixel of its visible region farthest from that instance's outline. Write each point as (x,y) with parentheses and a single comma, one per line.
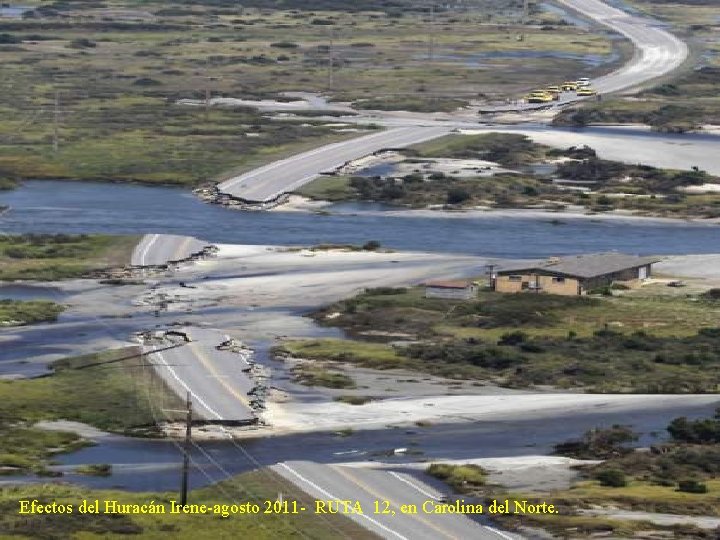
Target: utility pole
(56,122)
(331,61)
(186,452)
(431,34)
(207,99)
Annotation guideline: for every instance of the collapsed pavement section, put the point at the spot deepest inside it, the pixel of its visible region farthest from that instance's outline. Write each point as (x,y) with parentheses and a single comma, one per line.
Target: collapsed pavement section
(163,251)
(225,384)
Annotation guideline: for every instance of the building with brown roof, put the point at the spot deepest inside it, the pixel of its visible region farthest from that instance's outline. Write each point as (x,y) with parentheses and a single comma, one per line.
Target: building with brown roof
(574,275)
(457,289)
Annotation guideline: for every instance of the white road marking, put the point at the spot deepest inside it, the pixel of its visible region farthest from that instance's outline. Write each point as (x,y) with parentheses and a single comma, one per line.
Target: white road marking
(185,386)
(333,497)
(411,484)
(144,252)
(499,533)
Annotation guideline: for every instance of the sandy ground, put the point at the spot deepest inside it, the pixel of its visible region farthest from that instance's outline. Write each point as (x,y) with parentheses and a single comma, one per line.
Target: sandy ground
(522,473)
(271,276)
(704,522)
(298,203)
(329,416)
(705,266)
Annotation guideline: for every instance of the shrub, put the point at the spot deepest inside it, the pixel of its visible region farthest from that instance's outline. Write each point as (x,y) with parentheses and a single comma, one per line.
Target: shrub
(692,486)
(82,43)
(703,431)
(386,291)
(611,478)
(371,245)
(713,295)
(9,39)
(513,338)
(457,195)
(284,45)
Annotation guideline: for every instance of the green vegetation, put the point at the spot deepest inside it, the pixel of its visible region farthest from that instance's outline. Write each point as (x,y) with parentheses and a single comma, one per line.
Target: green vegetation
(674,477)
(462,478)
(5,184)
(18,313)
(507,149)
(603,185)
(670,478)
(106,390)
(96,469)
(25,449)
(327,188)
(412,103)
(51,257)
(254,487)
(682,103)
(354,400)
(639,341)
(318,376)
(599,444)
(119,81)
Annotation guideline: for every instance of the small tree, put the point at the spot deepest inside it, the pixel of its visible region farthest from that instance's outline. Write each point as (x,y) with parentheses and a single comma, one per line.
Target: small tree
(372,245)
(612,478)
(457,195)
(692,486)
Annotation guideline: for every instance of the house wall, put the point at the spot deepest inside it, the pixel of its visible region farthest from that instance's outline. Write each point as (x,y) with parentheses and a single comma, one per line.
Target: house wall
(630,277)
(455,294)
(568,286)
(547,283)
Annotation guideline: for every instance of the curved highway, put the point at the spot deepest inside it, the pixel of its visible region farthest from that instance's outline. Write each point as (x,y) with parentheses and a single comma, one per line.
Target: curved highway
(657,52)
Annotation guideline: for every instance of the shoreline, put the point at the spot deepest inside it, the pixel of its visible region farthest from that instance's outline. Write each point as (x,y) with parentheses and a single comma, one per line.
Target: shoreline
(299,203)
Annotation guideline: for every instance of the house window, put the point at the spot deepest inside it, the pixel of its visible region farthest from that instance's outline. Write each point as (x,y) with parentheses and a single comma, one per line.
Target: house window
(558,280)
(514,278)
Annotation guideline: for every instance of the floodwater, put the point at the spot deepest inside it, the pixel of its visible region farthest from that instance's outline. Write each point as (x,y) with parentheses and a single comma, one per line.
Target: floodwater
(83,207)
(29,292)
(13,12)
(146,465)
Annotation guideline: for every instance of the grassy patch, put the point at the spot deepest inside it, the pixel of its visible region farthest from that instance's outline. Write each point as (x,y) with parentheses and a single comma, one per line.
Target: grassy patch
(462,478)
(52,257)
(328,188)
(319,376)
(375,355)
(411,103)
(505,148)
(17,313)
(118,83)
(255,487)
(640,341)
(112,396)
(354,400)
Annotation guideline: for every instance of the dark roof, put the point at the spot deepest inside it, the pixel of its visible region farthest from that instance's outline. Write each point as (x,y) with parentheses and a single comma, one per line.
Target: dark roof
(585,266)
(449,284)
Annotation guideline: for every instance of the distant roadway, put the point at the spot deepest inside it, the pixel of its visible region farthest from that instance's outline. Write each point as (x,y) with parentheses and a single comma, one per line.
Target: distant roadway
(365,485)
(271,181)
(657,52)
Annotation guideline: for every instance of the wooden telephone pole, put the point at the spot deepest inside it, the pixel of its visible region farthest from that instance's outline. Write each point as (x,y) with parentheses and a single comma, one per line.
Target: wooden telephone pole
(186,452)
(56,123)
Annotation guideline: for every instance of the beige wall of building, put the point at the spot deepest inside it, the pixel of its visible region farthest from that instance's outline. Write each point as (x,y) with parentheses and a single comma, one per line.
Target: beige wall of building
(527,283)
(547,283)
